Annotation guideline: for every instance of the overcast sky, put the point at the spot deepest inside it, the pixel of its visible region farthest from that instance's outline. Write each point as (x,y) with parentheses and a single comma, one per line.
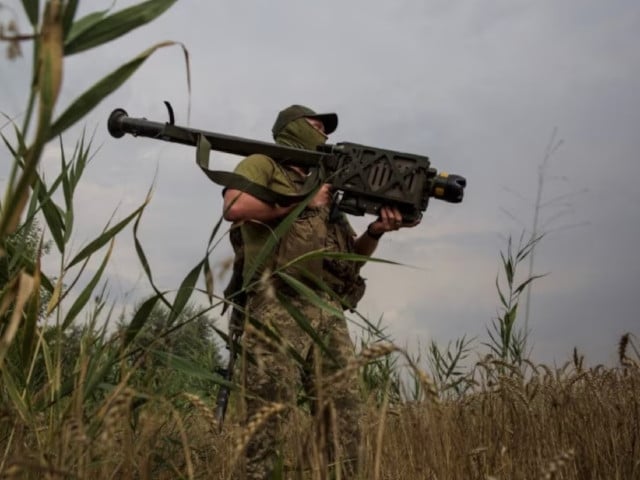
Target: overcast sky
(478,86)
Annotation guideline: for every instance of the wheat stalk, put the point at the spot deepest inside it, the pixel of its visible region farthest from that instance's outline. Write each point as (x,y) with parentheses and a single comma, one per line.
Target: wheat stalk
(252,427)
(203,408)
(556,463)
(115,410)
(514,387)
(366,356)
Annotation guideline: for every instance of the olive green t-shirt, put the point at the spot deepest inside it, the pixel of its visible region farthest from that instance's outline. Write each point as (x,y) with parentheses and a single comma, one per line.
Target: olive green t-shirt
(264,171)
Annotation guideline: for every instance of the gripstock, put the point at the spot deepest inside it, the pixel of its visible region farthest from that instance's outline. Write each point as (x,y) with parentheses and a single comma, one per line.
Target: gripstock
(364,178)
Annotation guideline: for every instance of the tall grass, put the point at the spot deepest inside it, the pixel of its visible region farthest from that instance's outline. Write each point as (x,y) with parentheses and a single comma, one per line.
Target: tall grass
(52,403)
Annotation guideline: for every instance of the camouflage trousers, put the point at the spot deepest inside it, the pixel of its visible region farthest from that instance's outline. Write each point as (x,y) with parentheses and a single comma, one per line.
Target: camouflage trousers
(286,367)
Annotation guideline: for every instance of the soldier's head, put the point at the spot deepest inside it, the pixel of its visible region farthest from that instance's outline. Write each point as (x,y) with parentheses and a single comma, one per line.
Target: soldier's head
(299,126)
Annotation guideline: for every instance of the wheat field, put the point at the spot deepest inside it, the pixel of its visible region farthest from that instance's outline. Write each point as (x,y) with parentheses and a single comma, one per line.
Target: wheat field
(567,423)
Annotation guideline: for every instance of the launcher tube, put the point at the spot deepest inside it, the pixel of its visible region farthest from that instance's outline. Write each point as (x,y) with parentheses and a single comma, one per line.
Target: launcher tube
(121,123)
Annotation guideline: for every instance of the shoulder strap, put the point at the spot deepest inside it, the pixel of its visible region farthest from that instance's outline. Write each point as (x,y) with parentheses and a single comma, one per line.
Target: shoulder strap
(238,182)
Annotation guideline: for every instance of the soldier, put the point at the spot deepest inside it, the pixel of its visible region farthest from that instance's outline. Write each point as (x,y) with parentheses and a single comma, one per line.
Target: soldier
(273,376)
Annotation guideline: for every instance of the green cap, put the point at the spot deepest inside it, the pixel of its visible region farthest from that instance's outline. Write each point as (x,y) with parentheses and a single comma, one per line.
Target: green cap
(294,112)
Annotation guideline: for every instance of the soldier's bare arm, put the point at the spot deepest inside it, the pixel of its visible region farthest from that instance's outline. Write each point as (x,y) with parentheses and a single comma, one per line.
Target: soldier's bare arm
(390,219)
(241,206)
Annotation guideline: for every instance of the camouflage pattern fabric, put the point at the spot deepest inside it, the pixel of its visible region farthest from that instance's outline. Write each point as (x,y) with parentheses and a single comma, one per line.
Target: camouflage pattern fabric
(275,377)
(299,134)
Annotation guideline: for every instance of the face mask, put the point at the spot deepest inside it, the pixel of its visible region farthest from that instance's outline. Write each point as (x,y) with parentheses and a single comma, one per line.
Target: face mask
(300,134)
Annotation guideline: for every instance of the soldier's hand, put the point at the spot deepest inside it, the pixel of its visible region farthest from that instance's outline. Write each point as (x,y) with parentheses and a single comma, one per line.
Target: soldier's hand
(390,219)
(323,198)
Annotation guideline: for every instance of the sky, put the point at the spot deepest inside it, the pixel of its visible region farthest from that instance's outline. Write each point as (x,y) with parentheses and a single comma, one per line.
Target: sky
(481,88)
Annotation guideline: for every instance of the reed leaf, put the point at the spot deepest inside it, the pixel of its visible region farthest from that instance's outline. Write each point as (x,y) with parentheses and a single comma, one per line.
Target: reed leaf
(81,160)
(142,257)
(353,257)
(273,240)
(106,237)
(55,297)
(68,16)
(524,284)
(16,156)
(508,267)
(50,210)
(88,291)
(208,279)
(13,392)
(70,175)
(304,324)
(184,293)
(191,369)
(80,27)
(33,207)
(32,9)
(32,314)
(47,360)
(503,300)
(208,272)
(66,185)
(309,294)
(97,370)
(139,319)
(270,335)
(88,100)
(16,201)
(97,29)
(52,215)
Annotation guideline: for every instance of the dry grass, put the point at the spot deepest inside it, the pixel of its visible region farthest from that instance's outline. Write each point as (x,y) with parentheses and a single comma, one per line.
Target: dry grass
(571,423)
(577,426)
